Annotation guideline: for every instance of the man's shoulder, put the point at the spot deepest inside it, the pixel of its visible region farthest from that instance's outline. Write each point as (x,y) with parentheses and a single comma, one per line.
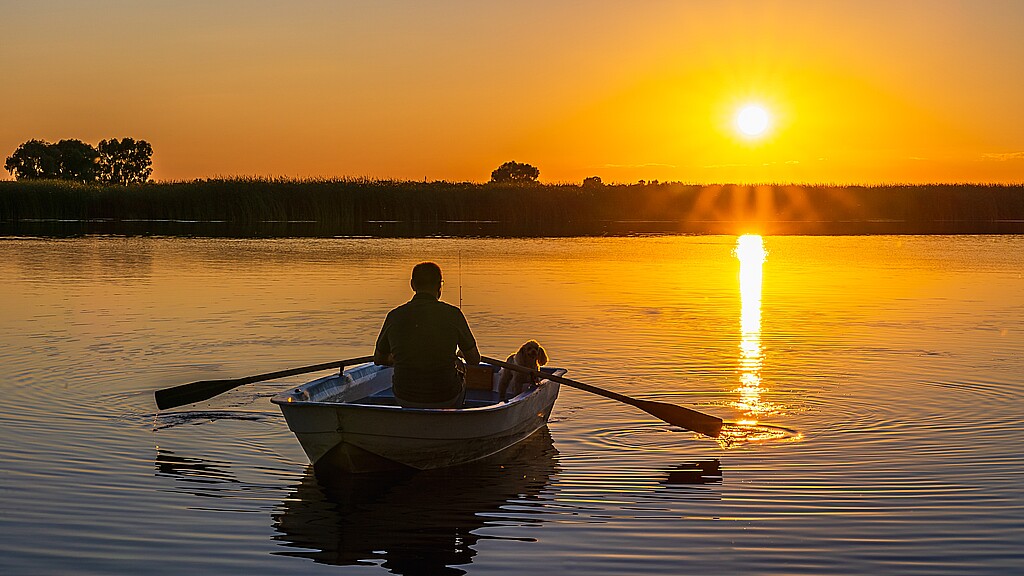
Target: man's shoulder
(455,313)
(398,312)
(450,307)
(442,309)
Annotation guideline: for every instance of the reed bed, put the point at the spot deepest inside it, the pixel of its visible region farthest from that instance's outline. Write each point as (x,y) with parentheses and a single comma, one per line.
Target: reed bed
(256,206)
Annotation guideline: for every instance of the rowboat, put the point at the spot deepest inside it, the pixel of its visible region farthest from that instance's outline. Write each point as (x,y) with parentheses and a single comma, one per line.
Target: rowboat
(351,422)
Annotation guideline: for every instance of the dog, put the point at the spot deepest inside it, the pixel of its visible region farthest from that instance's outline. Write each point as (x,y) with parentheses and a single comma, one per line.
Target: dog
(530,355)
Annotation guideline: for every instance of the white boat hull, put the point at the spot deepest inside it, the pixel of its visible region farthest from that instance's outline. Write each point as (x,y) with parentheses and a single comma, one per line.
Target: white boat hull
(348,422)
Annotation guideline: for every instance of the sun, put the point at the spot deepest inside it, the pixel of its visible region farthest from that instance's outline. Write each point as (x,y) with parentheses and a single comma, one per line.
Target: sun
(753,120)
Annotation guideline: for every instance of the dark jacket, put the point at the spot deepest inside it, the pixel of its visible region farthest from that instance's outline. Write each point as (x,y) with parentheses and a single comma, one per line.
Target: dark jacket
(423,334)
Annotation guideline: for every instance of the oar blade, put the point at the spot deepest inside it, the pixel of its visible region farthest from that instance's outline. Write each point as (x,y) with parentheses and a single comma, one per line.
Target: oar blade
(683,417)
(193,392)
(206,389)
(670,413)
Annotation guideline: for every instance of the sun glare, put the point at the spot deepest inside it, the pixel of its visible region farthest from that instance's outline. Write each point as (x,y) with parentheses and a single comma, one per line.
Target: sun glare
(751,254)
(752,120)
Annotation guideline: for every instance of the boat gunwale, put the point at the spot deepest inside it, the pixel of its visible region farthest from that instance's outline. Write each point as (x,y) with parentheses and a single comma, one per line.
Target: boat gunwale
(285,398)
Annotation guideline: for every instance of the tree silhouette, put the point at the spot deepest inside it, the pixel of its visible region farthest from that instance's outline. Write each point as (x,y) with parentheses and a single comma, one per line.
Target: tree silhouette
(515,173)
(76,161)
(125,161)
(592,182)
(65,160)
(32,160)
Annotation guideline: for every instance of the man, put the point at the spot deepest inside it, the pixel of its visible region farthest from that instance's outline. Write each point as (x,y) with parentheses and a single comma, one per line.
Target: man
(419,338)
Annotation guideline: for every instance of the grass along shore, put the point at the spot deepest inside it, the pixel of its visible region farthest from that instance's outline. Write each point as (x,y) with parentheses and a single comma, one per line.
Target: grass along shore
(259,207)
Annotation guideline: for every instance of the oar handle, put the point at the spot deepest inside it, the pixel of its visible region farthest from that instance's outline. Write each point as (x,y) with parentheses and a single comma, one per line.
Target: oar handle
(206,389)
(303,370)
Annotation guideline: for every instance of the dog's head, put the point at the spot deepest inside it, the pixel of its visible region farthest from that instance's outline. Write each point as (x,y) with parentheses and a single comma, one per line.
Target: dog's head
(533,352)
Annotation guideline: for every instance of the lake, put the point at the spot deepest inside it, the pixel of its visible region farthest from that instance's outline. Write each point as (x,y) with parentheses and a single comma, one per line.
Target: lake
(888,368)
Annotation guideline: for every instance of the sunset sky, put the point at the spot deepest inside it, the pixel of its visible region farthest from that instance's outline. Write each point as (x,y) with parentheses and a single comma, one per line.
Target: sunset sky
(855,92)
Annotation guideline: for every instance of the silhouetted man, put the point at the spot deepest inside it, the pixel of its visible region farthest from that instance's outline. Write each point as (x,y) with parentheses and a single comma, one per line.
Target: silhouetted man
(419,338)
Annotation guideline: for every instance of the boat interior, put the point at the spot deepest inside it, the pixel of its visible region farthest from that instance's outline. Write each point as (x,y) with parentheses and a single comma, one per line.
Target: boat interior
(369,384)
(474,398)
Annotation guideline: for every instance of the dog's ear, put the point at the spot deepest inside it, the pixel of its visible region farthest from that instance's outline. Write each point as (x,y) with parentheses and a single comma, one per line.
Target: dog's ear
(542,356)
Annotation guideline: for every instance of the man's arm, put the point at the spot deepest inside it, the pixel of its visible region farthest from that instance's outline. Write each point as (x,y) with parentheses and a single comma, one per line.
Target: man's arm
(472,356)
(467,343)
(382,351)
(383,359)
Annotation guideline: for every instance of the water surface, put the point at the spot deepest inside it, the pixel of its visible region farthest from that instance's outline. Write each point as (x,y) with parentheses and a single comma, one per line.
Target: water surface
(894,361)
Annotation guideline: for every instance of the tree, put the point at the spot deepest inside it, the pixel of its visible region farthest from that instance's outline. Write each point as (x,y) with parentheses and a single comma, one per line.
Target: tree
(65,160)
(125,161)
(592,182)
(76,161)
(33,159)
(515,173)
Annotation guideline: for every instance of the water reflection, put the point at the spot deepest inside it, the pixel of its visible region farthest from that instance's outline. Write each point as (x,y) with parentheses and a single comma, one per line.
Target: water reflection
(696,473)
(199,476)
(751,254)
(415,522)
(194,470)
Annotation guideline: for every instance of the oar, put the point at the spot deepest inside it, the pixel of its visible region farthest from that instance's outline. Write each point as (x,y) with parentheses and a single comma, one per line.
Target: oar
(674,415)
(206,389)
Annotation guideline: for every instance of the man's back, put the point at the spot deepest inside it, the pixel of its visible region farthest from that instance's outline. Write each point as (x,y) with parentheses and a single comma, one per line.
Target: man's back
(422,335)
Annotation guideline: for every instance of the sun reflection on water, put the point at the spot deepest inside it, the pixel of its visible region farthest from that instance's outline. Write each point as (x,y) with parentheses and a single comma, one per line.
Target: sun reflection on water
(751,254)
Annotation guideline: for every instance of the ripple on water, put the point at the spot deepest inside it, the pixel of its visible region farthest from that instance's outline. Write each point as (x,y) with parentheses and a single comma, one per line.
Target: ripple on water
(166,420)
(642,437)
(908,458)
(736,433)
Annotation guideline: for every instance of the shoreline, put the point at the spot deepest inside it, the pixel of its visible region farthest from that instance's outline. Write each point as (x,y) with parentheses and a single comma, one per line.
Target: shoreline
(264,208)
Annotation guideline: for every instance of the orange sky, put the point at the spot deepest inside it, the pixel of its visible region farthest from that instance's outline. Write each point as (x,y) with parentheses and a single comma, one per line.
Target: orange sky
(859,92)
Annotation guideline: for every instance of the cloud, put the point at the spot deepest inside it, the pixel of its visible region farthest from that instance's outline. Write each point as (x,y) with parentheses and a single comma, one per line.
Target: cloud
(1004,156)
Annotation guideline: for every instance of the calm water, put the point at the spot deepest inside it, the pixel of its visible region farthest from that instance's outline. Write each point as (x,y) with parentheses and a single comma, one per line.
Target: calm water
(897,363)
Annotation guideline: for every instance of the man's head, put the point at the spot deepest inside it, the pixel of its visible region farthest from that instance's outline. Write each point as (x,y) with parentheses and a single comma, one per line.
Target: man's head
(426,277)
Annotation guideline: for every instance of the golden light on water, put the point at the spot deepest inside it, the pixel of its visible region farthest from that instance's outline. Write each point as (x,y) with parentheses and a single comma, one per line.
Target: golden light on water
(751,254)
